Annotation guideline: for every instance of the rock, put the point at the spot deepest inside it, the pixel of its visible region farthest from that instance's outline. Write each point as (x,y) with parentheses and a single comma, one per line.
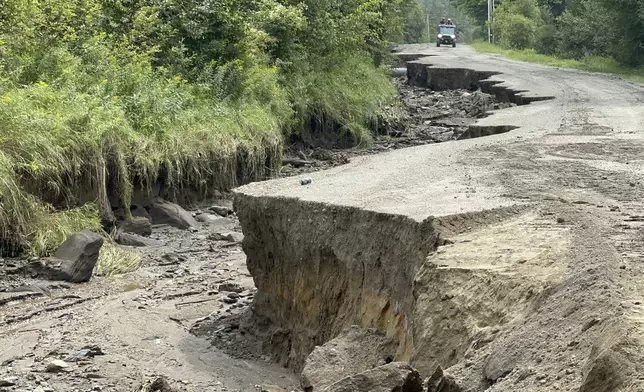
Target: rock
(8,382)
(164,212)
(129,239)
(441,382)
(272,388)
(231,287)
(210,219)
(221,210)
(229,300)
(140,212)
(85,352)
(79,255)
(353,351)
(56,366)
(137,225)
(230,237)
(160,385)
(393,377)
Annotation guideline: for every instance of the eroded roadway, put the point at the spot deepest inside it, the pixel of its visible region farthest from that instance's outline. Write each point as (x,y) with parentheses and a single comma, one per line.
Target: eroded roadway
(577,160)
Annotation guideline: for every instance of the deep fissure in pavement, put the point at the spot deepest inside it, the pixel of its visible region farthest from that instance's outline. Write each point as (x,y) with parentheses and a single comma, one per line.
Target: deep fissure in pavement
(322,271)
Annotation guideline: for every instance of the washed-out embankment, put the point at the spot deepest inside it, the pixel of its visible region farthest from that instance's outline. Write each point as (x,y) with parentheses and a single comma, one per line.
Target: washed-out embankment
(442,289)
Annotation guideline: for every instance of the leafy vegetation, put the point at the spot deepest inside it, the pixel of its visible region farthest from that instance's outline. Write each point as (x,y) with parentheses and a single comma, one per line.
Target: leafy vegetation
(598,34)
(590,63)
(100,98)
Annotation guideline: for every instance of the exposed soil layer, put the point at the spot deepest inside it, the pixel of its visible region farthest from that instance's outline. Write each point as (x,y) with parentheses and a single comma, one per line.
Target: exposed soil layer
(540,296)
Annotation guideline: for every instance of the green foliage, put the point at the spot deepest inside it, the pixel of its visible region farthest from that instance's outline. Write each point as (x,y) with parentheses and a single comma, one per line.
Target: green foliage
(114,260)
(195,94)
(344,96)
(574,29)
(590,63)
(517,24)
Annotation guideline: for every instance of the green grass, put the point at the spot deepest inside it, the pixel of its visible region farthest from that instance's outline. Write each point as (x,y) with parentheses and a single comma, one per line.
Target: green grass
(591,64)
(114,260)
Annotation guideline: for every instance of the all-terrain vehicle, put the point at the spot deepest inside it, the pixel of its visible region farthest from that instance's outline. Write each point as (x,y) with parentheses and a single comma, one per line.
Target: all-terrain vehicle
(446,35)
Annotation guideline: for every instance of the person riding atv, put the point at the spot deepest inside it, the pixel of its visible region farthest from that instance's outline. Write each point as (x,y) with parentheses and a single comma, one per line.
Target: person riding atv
(446,34)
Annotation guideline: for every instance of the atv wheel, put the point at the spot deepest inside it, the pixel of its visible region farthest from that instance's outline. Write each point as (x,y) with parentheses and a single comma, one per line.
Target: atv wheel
(453,44)
(438,44)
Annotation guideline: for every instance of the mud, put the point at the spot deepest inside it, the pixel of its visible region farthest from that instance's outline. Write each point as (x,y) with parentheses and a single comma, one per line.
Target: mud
(141,321)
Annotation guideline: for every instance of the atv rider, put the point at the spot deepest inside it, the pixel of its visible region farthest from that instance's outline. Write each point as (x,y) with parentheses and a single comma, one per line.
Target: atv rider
(442,22)
(449,22)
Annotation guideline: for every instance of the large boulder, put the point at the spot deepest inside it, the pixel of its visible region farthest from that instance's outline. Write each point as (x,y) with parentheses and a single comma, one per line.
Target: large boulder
(129,239)
(353,351)
(164,212)
(137,225)
(78,256)
(393,377)
(441,382)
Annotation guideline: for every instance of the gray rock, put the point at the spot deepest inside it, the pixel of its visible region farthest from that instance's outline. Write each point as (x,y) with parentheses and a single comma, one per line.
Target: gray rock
(140,212)
(211,219)
(85,352)
(164,212)
(230,237)
(8,381)
(221,210)
(79,255)
(272,388)
(56,366)
(137,225)
(129,239)
(393,377)
(441,382)
(354,351)
(231,287)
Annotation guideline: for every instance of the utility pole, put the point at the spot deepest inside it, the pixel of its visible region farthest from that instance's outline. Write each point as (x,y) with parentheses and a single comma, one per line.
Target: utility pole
(489,21)
(492,16)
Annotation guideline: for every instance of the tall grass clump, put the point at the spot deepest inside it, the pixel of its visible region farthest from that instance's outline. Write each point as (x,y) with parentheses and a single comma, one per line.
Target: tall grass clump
(103,100)
(343,96)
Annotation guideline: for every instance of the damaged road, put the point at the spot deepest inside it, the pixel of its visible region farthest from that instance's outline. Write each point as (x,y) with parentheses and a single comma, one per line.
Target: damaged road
(511,261)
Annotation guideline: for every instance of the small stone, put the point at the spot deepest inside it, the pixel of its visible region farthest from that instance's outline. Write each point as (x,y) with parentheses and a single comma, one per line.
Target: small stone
(221,210)
(231,287)
(591,323)
(272,388)
(56,366)
(230,237)
(229,300)
(561,220)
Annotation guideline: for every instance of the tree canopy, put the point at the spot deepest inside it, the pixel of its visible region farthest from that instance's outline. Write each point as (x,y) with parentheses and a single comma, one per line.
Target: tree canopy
(567,28)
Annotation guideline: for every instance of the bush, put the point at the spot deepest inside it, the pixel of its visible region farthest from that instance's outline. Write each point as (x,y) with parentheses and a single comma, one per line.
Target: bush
(198,96)
(517,24)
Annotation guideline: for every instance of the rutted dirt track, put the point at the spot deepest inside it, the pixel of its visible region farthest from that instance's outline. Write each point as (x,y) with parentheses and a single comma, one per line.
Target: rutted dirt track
(512,261)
